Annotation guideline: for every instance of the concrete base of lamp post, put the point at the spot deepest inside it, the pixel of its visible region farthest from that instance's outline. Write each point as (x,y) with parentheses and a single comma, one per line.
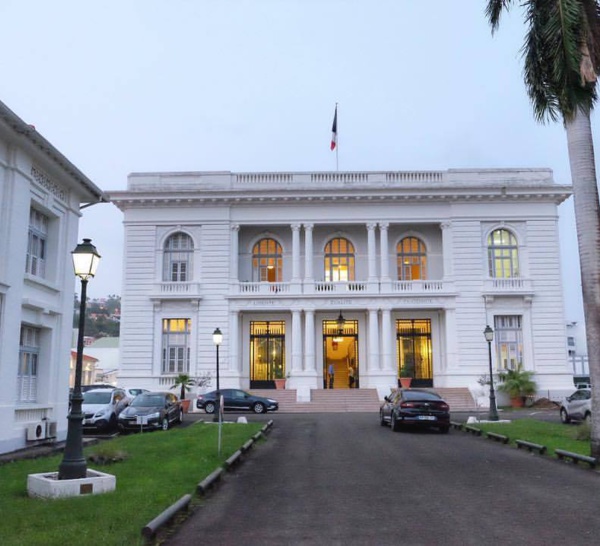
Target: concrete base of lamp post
(48,486)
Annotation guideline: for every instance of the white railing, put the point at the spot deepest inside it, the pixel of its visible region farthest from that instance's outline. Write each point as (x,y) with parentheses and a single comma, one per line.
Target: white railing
(175,288)
(340,287)
(515,284)
(417,286)
(267,288)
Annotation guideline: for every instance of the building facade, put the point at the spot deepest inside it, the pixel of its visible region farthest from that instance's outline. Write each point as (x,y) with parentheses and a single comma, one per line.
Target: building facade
(377,274)
(40,196)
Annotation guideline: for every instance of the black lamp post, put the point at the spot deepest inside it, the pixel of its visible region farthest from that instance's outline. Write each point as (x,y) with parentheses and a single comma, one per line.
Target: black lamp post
(489,337)
(73,465)
(217,339)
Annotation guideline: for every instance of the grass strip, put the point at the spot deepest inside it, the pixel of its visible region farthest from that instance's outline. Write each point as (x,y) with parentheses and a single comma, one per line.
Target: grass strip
(552,435)
(155,469)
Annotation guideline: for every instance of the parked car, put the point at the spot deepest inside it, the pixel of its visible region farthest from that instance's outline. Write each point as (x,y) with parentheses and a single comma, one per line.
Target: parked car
(236,400)
(101,407)
(415,407)
(133,392)
(577,406)
(151,410)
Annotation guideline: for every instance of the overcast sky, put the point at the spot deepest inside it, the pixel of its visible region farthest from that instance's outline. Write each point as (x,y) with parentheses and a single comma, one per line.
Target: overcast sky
(123,86)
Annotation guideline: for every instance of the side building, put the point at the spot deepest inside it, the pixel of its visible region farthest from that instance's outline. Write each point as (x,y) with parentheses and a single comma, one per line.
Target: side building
(378,274)
(41,193)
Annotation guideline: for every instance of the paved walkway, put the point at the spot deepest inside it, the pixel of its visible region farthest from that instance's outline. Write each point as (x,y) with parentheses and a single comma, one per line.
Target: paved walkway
(341,479)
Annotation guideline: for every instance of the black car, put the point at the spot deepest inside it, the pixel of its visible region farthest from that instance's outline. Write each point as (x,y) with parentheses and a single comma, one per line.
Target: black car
(151,410)
(236,400)
(415,407)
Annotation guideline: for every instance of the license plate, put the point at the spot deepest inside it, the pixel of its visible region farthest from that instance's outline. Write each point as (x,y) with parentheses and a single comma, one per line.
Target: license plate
(427,417)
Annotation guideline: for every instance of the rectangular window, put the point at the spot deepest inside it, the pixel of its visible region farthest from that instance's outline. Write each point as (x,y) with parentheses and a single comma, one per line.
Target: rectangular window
(509,341)
(176,346)
(29,353)
(267,352)
(36,244)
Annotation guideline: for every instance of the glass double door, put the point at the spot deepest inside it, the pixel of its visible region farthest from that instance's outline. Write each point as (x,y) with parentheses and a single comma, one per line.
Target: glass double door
(340,355)
(413,343)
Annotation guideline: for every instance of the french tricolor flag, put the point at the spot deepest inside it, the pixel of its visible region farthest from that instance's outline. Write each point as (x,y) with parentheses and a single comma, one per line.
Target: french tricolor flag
(334,130)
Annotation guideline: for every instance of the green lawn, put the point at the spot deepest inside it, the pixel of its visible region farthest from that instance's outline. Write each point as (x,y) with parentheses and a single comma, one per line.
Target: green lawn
(159,468)
(551,435)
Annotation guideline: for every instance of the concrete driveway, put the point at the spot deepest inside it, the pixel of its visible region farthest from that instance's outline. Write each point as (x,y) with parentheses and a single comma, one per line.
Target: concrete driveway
(343,479)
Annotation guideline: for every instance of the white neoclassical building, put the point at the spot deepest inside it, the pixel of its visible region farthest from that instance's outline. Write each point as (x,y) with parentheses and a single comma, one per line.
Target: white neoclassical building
(383,274)
(41,193)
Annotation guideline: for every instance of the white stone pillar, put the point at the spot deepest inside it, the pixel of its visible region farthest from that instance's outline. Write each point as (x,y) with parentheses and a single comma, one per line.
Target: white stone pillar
(234,257)
(308,252)
(372,251)
(234,336)
(451,335)
(384,251)
(295,252)
(373,341)
(309,341)
(387,341)
(447,245)
(296,342)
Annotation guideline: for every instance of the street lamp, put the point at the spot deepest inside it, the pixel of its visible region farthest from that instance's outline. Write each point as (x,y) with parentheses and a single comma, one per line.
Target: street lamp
(489,337)
(73,466)
(217,339)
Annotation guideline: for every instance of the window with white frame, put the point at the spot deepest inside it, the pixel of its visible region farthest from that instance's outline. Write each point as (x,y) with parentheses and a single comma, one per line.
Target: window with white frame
(509,341)
(29,354)
(339,260)
(267,261)
(411,259)
(176,345)
(177,258)
(37,244)
(503,254)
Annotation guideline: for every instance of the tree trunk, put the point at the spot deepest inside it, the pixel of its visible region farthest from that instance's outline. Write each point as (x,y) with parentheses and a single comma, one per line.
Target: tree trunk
(587,217)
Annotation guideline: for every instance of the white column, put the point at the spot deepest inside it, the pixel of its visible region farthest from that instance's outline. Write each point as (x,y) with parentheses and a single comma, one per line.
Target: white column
(447,249)
(309,341)
(234,335)
(372,250)
(386,344)
(373,341)
(296,342)
(452,360)
(384,251)
(295,252)
(234,249)
(308,252)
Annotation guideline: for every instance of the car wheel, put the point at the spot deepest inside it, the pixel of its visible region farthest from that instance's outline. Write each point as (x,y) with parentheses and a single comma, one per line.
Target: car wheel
(180,417)
(564,416)
(588,419)
(259,407)
(210,407)
(382,421)
(165,423)
(393,423)
(112,423)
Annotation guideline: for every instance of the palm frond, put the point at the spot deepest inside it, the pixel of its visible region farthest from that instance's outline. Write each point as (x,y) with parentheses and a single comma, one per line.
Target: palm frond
(493,11)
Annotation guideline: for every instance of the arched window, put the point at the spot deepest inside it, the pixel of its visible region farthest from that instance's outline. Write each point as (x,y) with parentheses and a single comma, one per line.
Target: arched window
(503,254)
(411,259)
(267,261)
(339,260)
(177,258)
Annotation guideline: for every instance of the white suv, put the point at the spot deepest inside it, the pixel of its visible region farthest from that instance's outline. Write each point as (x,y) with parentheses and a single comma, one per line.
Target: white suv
(577,407)
(101,407)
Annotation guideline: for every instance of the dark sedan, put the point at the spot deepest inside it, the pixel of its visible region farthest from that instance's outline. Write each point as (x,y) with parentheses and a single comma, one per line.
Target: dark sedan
(236,400)
(415,407)
(151,410)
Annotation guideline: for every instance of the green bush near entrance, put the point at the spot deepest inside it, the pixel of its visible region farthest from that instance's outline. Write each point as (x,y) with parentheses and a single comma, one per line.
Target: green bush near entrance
(153,471)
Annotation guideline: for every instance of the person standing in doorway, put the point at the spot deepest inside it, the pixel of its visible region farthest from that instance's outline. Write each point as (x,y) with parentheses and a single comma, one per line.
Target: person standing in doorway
(331,372)
(351,376)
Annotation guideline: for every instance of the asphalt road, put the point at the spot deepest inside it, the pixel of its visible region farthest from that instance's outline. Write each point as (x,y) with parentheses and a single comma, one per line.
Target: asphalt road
(343,479)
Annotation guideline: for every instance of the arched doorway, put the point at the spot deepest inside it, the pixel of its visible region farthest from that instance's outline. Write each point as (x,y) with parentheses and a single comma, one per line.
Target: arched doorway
(340,351)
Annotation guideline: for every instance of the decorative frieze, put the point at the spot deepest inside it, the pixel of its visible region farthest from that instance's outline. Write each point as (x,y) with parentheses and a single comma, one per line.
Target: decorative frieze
(44,180)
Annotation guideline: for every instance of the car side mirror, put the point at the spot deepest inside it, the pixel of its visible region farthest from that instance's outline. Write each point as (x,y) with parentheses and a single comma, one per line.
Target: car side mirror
(569,398)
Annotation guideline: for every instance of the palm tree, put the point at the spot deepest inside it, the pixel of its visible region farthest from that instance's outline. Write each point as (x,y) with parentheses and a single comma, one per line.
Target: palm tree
(184,382)
(561,61)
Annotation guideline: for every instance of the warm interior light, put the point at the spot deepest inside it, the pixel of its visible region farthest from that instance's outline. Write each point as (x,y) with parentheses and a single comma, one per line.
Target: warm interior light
(85,260)
(217,337)
(338,339)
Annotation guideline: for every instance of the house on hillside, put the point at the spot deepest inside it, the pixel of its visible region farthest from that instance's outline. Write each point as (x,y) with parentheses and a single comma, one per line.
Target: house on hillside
(383,274)
(106,351)
(41,194)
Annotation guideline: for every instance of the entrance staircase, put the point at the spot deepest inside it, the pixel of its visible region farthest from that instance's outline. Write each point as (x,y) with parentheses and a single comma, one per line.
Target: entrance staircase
(353,400)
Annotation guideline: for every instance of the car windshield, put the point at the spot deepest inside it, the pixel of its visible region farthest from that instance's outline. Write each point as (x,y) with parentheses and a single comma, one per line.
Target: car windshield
(420,395)
(91,397)
(147,400)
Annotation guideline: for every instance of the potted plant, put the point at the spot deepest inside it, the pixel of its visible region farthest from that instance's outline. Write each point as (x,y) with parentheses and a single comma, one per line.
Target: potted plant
(407,372)
(518,384)
(185,383)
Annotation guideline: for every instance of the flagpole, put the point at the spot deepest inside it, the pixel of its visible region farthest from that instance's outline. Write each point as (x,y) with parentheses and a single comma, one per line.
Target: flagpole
(337,148)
